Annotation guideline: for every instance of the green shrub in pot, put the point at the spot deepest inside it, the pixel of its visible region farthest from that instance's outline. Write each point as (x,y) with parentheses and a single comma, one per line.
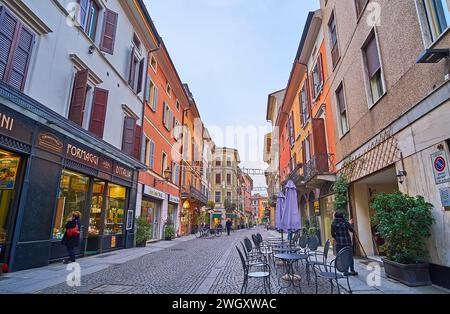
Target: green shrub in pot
(405,223)
(143,231)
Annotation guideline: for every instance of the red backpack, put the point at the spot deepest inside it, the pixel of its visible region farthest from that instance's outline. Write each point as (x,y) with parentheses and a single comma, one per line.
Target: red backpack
(73,232)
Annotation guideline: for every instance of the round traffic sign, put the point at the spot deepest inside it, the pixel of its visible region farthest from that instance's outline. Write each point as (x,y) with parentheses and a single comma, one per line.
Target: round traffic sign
(440,164)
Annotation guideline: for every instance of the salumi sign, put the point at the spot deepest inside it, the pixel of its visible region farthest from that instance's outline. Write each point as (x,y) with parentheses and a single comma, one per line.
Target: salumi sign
(440,167)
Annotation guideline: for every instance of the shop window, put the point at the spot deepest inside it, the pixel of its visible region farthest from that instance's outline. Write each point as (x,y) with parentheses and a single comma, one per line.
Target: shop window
(73,195)
(115,208)
(9,172)
(96,208)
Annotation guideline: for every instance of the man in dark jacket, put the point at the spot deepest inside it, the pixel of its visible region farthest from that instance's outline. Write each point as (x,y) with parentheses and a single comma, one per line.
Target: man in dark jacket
(340,229)
(228,225)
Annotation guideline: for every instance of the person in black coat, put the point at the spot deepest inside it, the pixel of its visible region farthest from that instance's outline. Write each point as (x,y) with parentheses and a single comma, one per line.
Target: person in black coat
(228,224)
(71,242)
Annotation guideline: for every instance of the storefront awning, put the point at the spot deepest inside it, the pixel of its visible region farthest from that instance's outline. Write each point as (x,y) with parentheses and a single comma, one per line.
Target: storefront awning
(230,216)
(217,216)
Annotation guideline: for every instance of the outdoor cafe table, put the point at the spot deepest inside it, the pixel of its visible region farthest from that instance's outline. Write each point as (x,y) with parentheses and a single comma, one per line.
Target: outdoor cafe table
(288,260)
(286,249)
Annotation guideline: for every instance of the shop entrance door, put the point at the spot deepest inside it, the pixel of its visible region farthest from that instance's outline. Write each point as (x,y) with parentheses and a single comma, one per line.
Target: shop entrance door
(10,176)
(151,212)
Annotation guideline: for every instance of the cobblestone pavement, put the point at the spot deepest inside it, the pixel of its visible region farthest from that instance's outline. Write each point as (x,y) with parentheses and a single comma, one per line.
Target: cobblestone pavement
(209,266)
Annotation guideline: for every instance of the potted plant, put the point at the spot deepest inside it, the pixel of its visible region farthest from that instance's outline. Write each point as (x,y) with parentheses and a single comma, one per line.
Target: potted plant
(169,230)
(405,224)
(143,232)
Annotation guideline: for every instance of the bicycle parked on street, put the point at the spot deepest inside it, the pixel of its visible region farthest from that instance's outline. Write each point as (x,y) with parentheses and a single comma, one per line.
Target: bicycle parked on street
(206,232)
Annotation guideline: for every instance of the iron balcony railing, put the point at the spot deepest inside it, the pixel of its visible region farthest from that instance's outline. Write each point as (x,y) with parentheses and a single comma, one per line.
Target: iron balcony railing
(319,164)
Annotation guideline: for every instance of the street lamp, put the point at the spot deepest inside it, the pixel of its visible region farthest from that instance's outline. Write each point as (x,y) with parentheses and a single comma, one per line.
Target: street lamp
(167,176)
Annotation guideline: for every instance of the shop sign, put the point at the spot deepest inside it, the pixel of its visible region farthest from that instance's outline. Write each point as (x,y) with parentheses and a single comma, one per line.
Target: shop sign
(82,156)
(50,141)
(8,172)
(129,225)
(154,193)
(14,126)
(440,167)
(445,197)
(123,172)
(105,165)
(174,199)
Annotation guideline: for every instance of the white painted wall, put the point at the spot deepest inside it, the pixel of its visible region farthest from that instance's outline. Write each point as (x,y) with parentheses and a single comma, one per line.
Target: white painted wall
(51,73)
(417,143)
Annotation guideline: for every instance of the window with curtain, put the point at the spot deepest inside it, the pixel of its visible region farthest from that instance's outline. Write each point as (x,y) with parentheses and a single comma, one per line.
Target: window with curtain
(343,120)
(438,16)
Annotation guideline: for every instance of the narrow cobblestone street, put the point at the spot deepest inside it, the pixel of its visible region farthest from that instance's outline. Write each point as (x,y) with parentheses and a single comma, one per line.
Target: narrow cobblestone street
(210,266)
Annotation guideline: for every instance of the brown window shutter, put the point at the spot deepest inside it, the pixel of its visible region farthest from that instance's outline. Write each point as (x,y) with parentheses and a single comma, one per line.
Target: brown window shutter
(8,26)
(303,152)
(308,99)
(132,69)
(128,135)
(77,104)
(137,142)
(16,44)
(141,73)
(98,114)
(320,69)
(301,105)
(109,31)
(372,57)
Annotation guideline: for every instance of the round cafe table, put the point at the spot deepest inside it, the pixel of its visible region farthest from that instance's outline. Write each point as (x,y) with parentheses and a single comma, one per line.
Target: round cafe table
(288,260)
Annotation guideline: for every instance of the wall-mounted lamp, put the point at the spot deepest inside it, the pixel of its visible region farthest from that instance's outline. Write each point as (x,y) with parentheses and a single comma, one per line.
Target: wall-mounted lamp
(91,49)
(167,175)
(401,174)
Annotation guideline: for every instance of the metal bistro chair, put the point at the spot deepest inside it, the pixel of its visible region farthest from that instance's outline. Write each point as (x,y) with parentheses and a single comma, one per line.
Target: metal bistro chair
(265,274)
(251,251)
(252,261)
(265,248)
(313,245)
(337,268)
(303,242)
(318,263)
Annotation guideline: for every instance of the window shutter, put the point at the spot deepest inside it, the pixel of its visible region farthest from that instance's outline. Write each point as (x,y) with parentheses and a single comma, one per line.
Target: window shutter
(304,152)
(16,43)
(169,124)
(128,135)
(372,57)
(132,69)
(155,98)
(109,31)
(341,99)
(320,69)
(148,85)
(302,104)
(152,154)
(98,114)
(137,141)
(140,74)
(164,113)
(8,26)
(308,98)
(21,58)
(78,97)
(320,144)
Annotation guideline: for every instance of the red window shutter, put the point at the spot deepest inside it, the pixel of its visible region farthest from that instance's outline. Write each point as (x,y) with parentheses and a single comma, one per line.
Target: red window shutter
(109,31)
(128,136)
(320,145)
(98,114)
(141,73)
(77,104)
(137,142)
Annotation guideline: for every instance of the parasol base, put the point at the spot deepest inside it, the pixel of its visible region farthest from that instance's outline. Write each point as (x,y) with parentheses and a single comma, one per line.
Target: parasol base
(288,277)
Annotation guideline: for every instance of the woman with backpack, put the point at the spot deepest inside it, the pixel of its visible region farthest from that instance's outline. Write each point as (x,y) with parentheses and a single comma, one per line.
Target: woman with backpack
(71,238)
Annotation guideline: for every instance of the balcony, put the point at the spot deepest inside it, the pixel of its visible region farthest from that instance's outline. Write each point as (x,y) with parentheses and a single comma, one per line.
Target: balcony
(195,195)
(319,169)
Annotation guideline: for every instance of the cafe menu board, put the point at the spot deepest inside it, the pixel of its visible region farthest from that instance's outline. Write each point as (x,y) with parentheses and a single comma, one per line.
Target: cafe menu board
(8,172)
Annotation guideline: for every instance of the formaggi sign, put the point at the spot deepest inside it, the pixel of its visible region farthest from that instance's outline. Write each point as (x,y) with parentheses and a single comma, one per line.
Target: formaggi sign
(82,155)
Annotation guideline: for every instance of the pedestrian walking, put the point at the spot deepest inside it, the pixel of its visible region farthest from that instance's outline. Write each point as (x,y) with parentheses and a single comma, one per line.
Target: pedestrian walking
(71,238)
(340,229)
(229,224)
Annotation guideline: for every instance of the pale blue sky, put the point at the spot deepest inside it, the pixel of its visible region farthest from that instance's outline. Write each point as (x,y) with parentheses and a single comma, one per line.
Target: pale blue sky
(233,53)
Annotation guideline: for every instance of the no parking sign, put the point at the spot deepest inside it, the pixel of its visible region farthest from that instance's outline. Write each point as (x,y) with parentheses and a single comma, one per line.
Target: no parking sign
(440,167)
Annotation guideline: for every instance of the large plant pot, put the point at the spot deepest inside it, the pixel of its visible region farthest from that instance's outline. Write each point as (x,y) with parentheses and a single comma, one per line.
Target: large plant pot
(413,275)
(144,244)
